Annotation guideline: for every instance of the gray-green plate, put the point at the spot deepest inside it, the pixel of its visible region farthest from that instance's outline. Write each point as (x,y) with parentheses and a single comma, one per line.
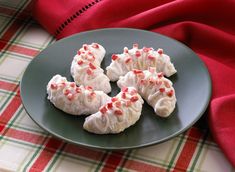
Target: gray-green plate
(192,84)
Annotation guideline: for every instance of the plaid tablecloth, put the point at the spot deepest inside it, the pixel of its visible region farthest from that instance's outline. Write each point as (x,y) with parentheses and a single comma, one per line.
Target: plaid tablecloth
(26,147)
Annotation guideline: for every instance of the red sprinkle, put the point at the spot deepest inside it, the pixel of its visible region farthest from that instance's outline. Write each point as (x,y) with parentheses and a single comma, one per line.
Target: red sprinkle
(170,93)
(135,45)
(118,104)
(128,103)
(118,112)
(53,86)
(110,105)
(88,88)
(70,96)
(78,90)
(72,84)
(160,74)
(150,57)
(92,94)
(167,84)
(146,49)
(124,95)
(79,52)
(85,47)
(143,81)
(158,82)
(134,91)
(162,90)
(103,110)
(63,84)
(114,99)
(66,92)
(89,71)
(114,57)
(137,53)
(136,71)
(151,80)
(95,45)
(160,51)
(125,50)
(80,62)
(128,60)
(124,89)
(134,98)
(92,66)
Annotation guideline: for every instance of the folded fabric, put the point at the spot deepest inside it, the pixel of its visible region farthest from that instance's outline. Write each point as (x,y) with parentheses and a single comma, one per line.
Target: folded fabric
(207,27)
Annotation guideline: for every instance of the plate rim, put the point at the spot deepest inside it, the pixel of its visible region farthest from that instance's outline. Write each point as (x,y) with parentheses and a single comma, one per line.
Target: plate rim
(124,147)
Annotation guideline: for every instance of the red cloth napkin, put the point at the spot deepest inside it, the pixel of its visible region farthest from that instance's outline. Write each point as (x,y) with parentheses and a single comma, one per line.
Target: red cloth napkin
(207,27)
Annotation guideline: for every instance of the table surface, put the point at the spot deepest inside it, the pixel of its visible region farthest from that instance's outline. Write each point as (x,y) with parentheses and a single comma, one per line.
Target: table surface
(24,146)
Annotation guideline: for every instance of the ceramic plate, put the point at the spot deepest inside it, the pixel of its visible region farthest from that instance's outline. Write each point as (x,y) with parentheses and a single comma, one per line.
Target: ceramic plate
(192,85)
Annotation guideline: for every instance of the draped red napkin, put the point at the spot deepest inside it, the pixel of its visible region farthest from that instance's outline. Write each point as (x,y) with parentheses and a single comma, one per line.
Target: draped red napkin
(208,27)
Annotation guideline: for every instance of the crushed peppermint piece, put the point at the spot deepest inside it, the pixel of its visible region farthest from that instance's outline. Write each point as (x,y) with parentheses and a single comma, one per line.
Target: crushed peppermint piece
(110,105)
(118,112)
(92,66)
(72,84)
(124,95)
(79,52)
(85,47)
(114,99)
(129,59)
(136,71)
(125,50)
(114,57)
(118,104)
(66,92)
(134,98)
(137,53)
(89,71)
(70,96)
(160,51)
(95,45)
(167,84)
(151,80)
(124,89)
(89,88)
(53,86)
(150,57)
(79,62)
(133,92)
(103,110)
(78,90)
(160,74)
(170,93)
(162,90)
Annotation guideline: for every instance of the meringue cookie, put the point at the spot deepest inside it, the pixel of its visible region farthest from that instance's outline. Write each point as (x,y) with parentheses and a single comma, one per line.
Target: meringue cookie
(153,87)
(116,115)
(74,100)
(141,59)
(85,68)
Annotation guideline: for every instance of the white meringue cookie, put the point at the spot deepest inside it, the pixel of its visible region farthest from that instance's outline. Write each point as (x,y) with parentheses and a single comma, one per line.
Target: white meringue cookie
(74,100)
(86,70)
(142,59)
(116,115)
(153,87)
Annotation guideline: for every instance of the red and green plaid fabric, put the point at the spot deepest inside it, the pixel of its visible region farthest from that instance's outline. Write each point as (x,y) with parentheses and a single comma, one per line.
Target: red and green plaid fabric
(26,147)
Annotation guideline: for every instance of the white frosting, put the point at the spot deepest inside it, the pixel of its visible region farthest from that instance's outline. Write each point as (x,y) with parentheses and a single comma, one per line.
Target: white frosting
(86,70)
(74,100)
(153,87)
(141,59)
(116,115)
